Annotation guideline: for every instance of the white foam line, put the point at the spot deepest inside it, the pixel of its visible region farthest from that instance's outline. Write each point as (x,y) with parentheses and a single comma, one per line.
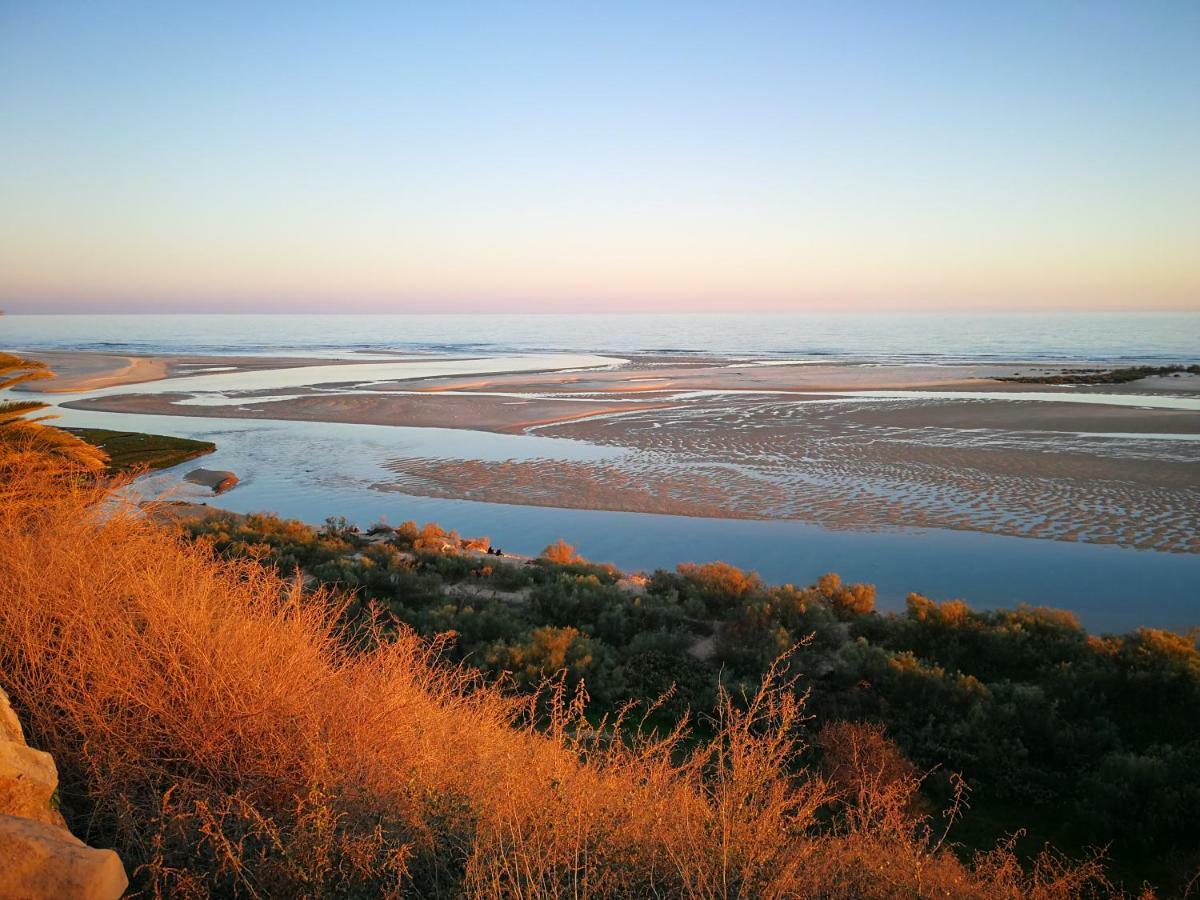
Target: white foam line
(1132,435)
(761,363)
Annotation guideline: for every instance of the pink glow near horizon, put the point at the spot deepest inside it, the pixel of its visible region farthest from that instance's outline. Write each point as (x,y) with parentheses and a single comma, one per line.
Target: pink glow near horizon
(549,158)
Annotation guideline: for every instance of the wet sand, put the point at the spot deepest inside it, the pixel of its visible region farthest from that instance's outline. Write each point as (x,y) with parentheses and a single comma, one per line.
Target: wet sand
(1030,416)
(218,481)
(475,413)
(1018,466)
(816,463)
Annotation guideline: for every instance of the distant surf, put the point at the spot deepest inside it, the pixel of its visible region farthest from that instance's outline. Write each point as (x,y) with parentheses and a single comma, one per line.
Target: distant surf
(1116,338)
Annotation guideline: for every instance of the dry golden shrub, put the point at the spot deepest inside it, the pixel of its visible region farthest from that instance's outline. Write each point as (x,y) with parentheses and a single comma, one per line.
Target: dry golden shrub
(213,725)
(562,553)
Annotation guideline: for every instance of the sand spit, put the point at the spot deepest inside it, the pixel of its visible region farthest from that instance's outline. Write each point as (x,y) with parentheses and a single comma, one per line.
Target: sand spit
(689,375)
(1133,504)
(78,371)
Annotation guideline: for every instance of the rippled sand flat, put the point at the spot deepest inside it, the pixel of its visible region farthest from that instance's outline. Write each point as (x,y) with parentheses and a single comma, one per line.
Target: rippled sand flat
(821,463)
(939,446)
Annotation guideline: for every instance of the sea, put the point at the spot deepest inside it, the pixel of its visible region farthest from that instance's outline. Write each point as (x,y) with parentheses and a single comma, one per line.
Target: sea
(917,338)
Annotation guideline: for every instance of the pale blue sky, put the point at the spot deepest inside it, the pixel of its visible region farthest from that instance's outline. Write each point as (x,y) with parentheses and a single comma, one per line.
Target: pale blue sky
(559,156)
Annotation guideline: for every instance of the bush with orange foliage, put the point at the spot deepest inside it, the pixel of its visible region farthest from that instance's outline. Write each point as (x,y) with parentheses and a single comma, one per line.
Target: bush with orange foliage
(212,724)
(717,584)
(846,600)
(561,553)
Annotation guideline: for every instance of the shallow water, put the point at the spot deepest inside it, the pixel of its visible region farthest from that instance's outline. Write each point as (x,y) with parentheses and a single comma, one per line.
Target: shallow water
(311,470)
(1139,401)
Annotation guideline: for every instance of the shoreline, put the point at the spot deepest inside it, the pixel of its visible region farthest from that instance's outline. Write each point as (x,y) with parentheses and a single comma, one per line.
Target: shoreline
(82,371)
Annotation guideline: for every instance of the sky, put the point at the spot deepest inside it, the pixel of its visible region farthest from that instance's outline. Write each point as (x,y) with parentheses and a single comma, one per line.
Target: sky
(563,156)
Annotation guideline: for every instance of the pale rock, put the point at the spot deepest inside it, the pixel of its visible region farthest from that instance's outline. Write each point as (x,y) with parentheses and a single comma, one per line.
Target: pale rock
(28,779)
(44,861)
(39,858)
(10,725)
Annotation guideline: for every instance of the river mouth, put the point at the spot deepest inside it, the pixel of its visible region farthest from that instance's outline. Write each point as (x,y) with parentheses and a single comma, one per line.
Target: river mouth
(312,470)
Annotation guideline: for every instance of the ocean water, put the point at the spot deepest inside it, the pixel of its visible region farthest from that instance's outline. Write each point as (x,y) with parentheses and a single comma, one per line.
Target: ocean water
(912,338)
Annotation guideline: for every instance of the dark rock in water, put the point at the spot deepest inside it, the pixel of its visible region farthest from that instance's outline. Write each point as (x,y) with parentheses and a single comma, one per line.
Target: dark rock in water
(219,481)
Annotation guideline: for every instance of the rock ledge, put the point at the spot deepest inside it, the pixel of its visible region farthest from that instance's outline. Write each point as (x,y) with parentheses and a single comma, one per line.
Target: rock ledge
(42,859)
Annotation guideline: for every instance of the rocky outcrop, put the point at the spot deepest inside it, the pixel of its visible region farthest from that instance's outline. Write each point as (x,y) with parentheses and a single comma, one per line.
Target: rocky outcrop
(41,858)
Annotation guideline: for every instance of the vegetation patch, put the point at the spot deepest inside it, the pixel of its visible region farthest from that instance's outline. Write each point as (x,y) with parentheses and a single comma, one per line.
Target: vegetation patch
(1069,738)
(232,733)
(130,450)
(1103,376)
